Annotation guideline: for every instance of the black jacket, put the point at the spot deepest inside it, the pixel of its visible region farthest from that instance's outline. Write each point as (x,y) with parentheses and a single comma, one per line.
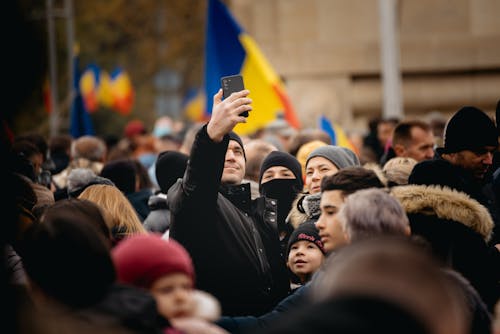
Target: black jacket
(231,238)
(457,229)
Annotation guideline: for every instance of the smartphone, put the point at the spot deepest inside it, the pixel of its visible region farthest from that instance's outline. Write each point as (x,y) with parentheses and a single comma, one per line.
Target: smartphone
(231,84)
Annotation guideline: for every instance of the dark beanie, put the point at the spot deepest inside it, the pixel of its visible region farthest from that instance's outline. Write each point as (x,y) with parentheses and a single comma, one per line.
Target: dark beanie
(278,158)
(235,137)
(122,173)
(305,231)
(169,167)
(141,259)
(468,129)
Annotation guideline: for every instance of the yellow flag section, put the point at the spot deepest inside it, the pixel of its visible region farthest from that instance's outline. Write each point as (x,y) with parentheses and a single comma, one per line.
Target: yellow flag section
(266,90)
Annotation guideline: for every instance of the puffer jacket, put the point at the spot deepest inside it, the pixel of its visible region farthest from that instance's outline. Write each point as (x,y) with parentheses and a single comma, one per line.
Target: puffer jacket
(457,229)
(233,240)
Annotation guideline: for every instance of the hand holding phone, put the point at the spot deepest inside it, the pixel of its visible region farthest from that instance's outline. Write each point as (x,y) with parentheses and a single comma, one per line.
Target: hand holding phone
(231,84)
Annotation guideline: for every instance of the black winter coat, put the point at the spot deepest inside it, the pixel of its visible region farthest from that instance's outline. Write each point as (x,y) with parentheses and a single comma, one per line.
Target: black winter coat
(232,240)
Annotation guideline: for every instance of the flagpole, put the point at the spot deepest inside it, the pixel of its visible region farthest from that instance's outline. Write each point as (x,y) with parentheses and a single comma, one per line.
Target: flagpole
(389,53)
(54,96)
(70,41)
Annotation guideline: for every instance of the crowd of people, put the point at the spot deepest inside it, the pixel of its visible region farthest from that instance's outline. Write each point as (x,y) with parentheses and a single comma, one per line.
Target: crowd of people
(199,230)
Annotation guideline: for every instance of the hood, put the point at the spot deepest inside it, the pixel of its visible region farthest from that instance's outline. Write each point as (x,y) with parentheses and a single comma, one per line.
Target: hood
(445,203)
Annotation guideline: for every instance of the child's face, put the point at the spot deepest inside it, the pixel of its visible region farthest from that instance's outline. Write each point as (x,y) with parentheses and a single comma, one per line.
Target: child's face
(174,295)
(304,259)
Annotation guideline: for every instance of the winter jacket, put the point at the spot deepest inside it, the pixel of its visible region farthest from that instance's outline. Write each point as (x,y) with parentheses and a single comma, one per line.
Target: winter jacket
(231,238)
(457,229)
(139,201)
(158,219)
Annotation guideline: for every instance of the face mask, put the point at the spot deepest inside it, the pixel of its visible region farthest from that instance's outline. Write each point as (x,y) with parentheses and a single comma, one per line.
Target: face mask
(283,190)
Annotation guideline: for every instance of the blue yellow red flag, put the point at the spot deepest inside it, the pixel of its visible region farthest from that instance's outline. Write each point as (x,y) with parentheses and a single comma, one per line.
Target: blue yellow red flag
(230,50)
(80,120)
(337,135)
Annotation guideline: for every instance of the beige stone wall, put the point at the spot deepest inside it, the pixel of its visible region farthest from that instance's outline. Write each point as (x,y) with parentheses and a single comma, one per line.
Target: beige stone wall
(328,52)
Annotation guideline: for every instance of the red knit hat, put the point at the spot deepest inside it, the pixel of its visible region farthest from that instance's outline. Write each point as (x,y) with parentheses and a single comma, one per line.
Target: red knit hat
(143,258)
(133,128)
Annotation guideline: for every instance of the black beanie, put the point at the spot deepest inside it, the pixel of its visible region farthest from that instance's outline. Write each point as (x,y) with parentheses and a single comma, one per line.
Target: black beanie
(169,167)
(235,137)
(278,158)
(468,129)
(305,231)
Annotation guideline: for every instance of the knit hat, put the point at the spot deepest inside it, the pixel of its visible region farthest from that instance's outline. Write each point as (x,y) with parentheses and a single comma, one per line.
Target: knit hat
(141,259)
(398,169)
(278,158)
(133,128)
(340,156)
(169,167)
(468,129)
(305,231)
(235,137)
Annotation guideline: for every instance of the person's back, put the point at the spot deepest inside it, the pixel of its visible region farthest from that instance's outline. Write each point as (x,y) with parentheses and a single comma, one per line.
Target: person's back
(126,175)
(86,152)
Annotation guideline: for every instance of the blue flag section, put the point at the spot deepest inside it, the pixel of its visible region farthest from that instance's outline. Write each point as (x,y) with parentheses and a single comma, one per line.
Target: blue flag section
(80,120)
(224,54)
(326,125)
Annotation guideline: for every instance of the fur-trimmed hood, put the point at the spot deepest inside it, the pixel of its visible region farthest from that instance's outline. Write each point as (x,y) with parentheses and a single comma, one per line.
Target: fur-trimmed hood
(445,203)
(305,207)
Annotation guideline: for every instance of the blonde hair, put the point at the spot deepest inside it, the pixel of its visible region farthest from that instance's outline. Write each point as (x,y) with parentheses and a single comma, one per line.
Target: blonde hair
(122,214)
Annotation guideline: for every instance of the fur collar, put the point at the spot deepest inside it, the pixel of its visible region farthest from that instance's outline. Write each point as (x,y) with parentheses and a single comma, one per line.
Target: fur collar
(445,203)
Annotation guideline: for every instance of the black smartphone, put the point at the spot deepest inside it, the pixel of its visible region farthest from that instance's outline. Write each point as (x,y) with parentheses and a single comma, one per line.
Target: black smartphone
(231,84)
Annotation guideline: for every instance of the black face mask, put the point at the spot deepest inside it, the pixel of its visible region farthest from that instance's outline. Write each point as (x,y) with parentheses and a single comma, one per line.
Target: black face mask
(283,190)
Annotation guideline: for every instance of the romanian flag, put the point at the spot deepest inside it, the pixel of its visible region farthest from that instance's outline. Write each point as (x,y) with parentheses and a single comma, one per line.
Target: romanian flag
(337,134)
(122,92)
(88,86)
(230,50)
(80,121)
(193,105)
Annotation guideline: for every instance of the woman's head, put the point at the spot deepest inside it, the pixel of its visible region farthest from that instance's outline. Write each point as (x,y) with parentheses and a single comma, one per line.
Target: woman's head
(327,160)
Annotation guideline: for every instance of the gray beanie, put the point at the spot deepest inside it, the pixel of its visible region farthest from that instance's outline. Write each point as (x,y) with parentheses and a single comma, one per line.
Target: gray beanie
(340,156)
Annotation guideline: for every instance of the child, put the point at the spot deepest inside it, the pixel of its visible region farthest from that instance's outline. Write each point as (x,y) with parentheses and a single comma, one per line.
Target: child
(165,269)
(305,253)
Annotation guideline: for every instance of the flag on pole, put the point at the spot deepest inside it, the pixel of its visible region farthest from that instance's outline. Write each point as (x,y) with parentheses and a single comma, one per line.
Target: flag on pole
(337,134)
(230,50)
(80,121)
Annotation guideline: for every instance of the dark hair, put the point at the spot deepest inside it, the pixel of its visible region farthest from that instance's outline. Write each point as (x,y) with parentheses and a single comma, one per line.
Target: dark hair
(402,131)
(66,253)
(351,179)
(123,173)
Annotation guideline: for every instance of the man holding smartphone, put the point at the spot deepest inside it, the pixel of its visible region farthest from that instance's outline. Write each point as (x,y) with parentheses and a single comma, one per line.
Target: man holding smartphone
(232,240)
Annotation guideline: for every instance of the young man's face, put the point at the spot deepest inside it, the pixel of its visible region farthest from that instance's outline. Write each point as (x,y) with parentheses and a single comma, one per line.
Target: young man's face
(234,164)
(277,172)
(174,295)
(330,229)
(478,162)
